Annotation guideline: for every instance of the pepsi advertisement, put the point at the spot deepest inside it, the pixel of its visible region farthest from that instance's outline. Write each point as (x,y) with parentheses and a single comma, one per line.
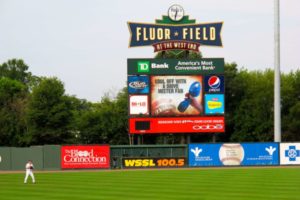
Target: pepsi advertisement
(176,95)
(235,154)
(214,84)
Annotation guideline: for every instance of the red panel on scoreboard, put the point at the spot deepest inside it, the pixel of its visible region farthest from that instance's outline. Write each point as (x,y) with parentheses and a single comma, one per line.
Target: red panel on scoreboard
(176,125)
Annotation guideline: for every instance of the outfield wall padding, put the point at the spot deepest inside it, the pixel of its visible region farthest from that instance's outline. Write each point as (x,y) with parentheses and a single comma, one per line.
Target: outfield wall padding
(5,158)
(52,158)
(20,156)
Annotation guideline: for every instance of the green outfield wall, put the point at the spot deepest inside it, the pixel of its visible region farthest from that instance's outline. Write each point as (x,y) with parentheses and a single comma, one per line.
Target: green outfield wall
(48,157)
(5,158)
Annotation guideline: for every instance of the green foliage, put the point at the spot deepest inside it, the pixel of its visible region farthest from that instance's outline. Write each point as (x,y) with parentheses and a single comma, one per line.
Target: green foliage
(12,106)
(49,113)
(106,122)
(178,54)
(15,69)
(253,117)
(291,106)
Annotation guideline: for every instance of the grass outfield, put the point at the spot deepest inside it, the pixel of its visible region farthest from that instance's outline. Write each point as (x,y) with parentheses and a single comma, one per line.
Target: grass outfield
(229,183)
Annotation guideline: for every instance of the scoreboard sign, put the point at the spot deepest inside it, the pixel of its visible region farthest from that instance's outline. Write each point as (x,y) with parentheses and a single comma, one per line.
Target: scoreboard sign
(176,96)
(175,32)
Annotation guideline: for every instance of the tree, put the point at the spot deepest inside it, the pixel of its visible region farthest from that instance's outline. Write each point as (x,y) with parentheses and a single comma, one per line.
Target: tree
(49,114)
(12,105)
(15,69)
(105,122)
(253,117)
(290,109)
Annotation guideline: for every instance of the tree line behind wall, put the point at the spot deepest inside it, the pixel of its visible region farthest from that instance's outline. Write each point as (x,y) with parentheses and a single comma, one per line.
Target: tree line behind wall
(36,110)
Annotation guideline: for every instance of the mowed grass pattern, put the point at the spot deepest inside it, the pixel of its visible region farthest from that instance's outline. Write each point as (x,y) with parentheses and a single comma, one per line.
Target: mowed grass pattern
(229,183)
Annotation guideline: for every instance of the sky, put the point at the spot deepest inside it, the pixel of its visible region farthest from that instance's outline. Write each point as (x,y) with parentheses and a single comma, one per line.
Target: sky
(85,42)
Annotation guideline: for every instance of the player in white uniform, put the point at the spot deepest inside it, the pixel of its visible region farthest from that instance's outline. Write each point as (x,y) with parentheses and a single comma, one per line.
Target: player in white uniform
(29,171)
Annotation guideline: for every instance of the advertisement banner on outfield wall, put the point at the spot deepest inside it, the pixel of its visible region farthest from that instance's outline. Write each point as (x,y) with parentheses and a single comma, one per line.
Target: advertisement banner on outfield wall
(153,162)
(289,153)
(245,154)
(85,157)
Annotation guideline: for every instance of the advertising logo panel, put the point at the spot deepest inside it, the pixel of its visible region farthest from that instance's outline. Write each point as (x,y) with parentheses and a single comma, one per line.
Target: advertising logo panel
(290,153)
(245,154)
(138,84)
(138,105)
(85,157)
(176,95)
(153,162)
(214,104)
(143,66)
(214,84)
(175,66)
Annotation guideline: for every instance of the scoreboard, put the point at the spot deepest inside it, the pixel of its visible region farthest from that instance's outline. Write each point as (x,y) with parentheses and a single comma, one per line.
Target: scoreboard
(176,95)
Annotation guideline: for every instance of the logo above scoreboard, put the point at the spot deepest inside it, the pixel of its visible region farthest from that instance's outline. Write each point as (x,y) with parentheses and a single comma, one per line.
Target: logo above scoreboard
(175,31)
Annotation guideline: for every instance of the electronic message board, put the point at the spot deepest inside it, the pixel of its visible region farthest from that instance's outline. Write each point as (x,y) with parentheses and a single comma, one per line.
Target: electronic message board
(176,95)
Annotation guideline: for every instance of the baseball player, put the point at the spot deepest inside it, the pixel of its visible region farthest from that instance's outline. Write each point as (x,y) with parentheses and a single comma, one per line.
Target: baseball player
(29,171)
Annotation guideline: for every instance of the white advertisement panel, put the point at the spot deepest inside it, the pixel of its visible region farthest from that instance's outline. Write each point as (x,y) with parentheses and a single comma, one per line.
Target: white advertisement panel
(138,105)
(290,153)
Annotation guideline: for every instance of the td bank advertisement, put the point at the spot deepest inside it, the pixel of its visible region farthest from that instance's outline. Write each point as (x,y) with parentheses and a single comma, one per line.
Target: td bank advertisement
(175,66)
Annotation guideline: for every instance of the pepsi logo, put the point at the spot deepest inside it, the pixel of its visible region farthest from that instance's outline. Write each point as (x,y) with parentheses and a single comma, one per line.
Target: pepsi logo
(214,82)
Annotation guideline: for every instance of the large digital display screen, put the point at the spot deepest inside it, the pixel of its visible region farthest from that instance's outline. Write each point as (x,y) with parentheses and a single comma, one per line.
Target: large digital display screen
(176,96)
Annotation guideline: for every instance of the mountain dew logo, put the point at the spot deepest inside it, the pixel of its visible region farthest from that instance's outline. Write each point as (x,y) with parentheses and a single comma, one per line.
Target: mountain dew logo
(175,31)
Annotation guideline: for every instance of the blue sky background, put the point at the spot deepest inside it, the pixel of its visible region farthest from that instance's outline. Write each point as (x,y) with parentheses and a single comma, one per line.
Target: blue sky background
(85,42)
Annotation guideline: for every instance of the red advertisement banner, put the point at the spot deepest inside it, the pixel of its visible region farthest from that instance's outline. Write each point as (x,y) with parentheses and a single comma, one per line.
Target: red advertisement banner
(176,125)
(85,157)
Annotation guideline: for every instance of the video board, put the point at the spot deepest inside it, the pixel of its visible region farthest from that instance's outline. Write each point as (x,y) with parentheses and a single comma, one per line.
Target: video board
(176,95)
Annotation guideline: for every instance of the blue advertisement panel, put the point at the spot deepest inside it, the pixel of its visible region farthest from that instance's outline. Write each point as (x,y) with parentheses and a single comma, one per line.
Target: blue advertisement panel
(244,154)
(138,84)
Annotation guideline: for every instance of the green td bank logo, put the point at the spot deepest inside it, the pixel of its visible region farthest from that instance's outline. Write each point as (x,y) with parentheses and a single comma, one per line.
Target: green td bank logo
(143,66)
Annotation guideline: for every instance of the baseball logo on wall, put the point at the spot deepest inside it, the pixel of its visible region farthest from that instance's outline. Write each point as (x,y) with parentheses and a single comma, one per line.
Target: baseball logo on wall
(231,154)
